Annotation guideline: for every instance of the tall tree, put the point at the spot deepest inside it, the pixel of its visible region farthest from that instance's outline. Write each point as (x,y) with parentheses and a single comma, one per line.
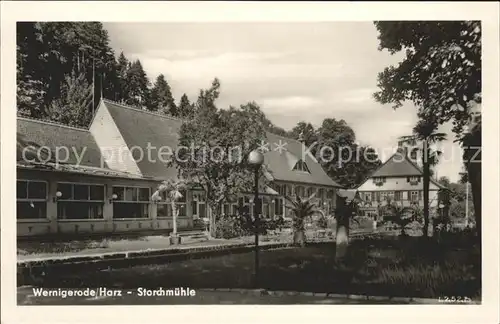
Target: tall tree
(137,85)
(221,140)
(122,66)
(306,132)
(441,74)
(161,98)
(72,107)
(186,108)
(425,133)
(49,52)
(345,161)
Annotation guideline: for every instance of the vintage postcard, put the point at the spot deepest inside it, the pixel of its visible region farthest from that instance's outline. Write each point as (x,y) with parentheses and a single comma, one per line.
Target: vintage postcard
(293,154)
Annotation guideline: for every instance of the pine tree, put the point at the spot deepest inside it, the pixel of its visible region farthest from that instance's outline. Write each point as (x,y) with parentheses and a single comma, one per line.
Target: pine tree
(186,108)
(73,107)
(161,98)
(122,69)
(137,85)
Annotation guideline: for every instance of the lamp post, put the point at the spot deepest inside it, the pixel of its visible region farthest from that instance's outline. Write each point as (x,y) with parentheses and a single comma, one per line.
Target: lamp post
(255,159)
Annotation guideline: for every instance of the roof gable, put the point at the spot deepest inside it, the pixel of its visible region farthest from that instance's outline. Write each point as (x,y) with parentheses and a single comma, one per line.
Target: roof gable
(399,165)
(142,129)
(281,164)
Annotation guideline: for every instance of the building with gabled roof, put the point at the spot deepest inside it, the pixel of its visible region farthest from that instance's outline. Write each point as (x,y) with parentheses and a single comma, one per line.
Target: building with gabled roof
(101,179)
(400,180)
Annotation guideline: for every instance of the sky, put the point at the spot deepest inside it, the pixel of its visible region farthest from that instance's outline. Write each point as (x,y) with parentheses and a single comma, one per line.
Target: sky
(294,71)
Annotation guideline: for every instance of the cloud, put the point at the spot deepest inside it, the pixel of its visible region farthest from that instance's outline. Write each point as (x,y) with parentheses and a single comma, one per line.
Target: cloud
(290,103)
(357,95)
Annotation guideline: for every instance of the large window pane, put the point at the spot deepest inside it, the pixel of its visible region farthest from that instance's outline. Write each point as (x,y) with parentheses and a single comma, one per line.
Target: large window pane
(37,190)
(144,194)
(181,208)
(119,192)
(31,210)
(81,192)
(22,189)
(130,194)
(183,198)
(66,189)
(130,210)
(202,210)
(97,193)
(164,210)
(194,206)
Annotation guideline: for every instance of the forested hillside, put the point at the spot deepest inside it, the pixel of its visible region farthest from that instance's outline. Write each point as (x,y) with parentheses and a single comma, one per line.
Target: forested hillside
(63,68)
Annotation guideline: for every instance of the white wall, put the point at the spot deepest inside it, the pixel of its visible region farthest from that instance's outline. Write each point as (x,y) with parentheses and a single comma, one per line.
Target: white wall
(110,141)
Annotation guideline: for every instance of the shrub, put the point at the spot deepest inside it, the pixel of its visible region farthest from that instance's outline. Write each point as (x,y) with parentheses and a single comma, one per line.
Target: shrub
(231,226)
(322,222)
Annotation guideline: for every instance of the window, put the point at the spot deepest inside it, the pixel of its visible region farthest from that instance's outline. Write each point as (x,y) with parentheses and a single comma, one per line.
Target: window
(310,191)
(31,199)
(321,193)
(379,181)
(80,201)
(132,202)
(278,206)
(413,179)
(398,195)
(390,195)
(164,208)
(299,191)
(244,205)
(258,206)
(414,195)
(301,166)
(368,196)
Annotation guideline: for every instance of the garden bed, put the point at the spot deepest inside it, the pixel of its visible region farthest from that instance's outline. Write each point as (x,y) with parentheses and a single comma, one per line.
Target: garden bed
(404,268)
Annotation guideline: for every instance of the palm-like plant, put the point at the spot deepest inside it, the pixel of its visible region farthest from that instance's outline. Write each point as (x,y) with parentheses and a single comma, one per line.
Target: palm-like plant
(425,132)
(400,215)
(302,208)
(173,190)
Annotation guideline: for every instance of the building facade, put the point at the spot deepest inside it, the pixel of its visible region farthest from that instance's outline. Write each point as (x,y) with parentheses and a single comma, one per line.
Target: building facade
(398,180)
(101,179)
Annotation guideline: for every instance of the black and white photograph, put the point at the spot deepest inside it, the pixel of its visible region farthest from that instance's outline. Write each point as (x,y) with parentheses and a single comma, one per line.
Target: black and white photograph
(321,162)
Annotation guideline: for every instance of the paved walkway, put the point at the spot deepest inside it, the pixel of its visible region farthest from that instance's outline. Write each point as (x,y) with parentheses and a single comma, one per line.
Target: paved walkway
(159,243)
(25,296)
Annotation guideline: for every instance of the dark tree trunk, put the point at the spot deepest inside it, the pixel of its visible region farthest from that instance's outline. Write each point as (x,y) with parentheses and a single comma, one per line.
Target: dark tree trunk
(472,158)
(426,180)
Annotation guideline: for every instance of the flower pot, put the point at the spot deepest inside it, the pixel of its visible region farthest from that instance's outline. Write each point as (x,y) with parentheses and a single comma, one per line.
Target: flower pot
(175,240)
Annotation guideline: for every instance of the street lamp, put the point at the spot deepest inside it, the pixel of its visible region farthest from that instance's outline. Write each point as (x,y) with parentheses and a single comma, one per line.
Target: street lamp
(255,159)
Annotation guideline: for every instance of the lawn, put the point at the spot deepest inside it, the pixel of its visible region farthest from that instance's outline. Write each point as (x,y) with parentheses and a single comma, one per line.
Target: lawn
(384,267)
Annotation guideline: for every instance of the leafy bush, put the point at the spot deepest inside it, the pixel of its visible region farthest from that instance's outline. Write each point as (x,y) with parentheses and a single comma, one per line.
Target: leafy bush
(232,226)
(322,222)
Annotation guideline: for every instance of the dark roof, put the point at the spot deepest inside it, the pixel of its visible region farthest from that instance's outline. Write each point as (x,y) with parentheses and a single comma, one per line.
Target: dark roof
(78,169)
(399,165)
(138,128)
(281,163)
(35,136)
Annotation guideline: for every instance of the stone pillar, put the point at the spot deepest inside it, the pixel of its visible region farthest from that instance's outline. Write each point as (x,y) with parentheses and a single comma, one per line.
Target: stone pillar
(107,209)
(52,206)
(189,207)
